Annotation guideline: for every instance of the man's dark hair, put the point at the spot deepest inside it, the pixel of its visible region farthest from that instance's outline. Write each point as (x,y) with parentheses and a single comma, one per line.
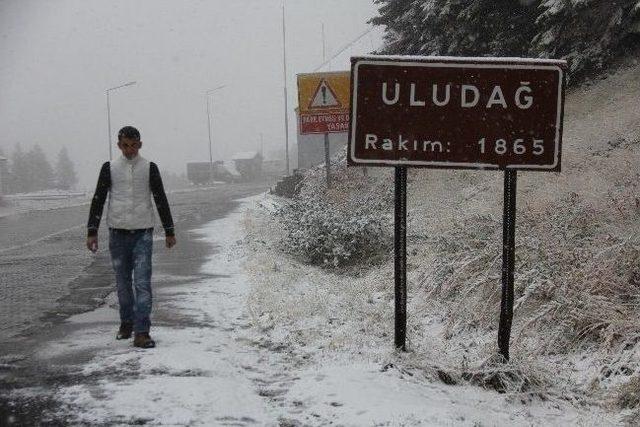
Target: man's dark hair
(129,132)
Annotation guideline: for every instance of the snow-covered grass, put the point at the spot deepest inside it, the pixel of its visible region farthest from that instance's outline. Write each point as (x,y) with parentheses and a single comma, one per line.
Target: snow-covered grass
(341,327)
(576,331)
(302,345)
(41,200)
(19,203)
(266,340)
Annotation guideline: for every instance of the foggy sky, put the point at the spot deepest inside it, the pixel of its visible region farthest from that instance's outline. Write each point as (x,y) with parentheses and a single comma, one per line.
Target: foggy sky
(57,58)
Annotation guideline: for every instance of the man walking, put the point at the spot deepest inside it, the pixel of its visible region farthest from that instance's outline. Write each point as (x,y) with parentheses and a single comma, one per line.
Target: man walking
(130,181)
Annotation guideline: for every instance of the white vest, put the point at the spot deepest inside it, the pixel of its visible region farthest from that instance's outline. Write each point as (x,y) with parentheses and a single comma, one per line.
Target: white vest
(130,205)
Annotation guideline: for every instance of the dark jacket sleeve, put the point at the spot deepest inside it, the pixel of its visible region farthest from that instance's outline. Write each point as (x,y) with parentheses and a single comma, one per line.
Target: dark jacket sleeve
(99,197)
(157,189)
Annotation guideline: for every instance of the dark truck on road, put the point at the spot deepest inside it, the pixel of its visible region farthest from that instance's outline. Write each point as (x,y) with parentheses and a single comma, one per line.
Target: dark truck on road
(199,173)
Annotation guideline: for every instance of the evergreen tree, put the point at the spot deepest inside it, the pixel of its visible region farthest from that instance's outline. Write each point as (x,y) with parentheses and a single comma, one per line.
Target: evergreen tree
(590,34)
(456,27)
(19,180)
(404,32)
(40,170)
(65,171)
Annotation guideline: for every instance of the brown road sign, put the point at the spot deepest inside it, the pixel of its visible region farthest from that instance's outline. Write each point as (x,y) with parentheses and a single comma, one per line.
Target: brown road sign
(443,112)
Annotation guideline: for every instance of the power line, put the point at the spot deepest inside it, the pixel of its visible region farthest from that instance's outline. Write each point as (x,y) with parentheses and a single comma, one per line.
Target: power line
(345,47)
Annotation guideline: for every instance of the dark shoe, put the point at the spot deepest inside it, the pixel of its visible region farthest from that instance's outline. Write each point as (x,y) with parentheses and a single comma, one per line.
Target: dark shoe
(143,340)
(124,333)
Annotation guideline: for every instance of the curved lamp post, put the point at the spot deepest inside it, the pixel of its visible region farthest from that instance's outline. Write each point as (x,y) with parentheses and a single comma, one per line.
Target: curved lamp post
(208,94)
(109,113)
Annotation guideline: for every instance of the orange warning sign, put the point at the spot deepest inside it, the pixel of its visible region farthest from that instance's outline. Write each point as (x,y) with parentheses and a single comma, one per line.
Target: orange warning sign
(323,102)
(324,97)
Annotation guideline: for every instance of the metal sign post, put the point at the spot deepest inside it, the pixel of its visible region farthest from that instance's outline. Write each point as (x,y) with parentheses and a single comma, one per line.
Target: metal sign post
(508,261)
(502,114)
(400,259)
(327,159)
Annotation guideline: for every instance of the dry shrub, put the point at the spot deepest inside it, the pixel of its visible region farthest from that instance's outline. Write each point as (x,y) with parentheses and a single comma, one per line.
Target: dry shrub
(503,377)
(583,291)
(632,419)
(576,284)
(629,394)
(342,226)
(466,275)
(351,189)
(523,379)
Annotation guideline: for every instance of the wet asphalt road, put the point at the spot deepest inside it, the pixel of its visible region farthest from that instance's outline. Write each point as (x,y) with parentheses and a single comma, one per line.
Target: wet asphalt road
(47,275)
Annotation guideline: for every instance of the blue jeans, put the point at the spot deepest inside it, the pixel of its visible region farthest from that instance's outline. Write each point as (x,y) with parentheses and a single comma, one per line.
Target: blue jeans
(131,259)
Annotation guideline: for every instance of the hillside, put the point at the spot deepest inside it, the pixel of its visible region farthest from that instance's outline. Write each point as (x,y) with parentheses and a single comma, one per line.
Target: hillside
(576,330)
(577,258)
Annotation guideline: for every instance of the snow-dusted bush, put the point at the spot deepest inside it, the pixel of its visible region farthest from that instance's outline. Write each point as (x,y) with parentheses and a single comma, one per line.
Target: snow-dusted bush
(323,235)
(338,226)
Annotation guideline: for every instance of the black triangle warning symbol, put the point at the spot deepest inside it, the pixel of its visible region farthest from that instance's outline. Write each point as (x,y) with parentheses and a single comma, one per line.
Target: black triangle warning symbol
(324,97)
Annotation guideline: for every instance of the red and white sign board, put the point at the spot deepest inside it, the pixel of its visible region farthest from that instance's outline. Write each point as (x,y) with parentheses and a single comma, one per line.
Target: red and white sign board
(333,122)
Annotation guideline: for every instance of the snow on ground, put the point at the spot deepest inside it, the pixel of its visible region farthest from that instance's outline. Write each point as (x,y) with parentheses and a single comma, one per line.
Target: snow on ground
(267,341)
(57,199)
(42,200)
(338,335)
(195,376)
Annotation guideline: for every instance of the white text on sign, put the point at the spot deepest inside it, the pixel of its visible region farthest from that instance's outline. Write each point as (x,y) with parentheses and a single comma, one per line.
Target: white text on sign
(469,95)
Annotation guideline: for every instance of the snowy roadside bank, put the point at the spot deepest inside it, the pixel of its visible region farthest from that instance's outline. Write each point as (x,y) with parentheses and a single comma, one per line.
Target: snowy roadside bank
(42,201)
(198,373)
(575,339)
(335,332)
(45,200)
(267,341)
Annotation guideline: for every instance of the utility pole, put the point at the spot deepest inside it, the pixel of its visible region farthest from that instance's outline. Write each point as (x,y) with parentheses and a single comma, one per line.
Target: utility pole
(208,93)
(261,146)
(324,47)
(286,109)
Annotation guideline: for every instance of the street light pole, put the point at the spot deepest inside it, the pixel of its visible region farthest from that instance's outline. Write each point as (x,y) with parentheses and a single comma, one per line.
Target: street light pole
(208,93)
(109,114)
(284,71)
(109,125)
(209,129)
